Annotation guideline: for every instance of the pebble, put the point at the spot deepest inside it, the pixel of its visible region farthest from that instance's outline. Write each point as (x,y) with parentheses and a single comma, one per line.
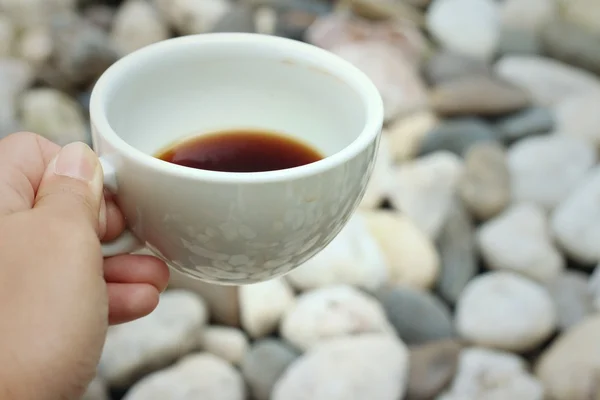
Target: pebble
(262,305)
(532,121)
(424,189)
(399,83)
(191,17)
(567,42)
(295,17)
(411,256)
(576,221)
(485,184)
(96,390)
(318,6)
(222,301)
(528,15)
(100,15)
(578,116)
(8,34)
(545,169)
(15,76)
(505,311)
(264,364)
(519,240)
(478,95)
(519,42)
(228,343)
(572,299)
(457,136)
(458,253)
(432,367)
(35,46)
(447,66)
(584,13)
(351,368)
(386,9)
(353,257)
(238,19)
(406,134)
(418,316)
(137,24)
(419,3)
(594,287)
(266,20)
(199,376)
(470,27)
(491,374)
(331,312)
(338,28)
(150,343)
(293,24)
(81,52)
(381,178)
(31,13)
(84,99)
(569,367)
(54,115)
(548,81)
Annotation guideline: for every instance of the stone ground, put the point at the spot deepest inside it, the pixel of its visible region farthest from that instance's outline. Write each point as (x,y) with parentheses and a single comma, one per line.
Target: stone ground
(469,271)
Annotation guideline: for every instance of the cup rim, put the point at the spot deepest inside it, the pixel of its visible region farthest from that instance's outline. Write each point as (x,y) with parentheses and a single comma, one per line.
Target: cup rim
(359,81)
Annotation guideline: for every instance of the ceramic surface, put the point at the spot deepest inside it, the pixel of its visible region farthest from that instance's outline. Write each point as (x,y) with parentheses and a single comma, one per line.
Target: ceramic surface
(234,228)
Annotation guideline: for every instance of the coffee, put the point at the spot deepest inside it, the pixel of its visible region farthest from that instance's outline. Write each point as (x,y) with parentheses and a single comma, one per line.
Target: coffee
(241,151)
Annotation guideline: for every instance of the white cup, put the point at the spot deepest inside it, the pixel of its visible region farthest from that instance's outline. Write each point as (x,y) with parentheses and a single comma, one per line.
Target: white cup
(234,228)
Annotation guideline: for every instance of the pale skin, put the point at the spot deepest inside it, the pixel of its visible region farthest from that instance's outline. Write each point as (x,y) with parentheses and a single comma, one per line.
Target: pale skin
(58,295)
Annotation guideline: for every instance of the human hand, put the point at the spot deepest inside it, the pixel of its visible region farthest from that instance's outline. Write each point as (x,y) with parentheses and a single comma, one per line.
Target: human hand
(57,293)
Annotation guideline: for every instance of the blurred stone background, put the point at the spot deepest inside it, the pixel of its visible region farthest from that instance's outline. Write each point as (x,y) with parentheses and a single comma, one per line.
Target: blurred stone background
(469,271)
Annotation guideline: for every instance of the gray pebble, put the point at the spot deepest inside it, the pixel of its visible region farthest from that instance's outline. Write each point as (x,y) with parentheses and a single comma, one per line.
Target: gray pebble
(315,6)
(82,52)
(485,183)
(83,99)
(572,299)
(100,15)
(293,23)
(519,42)
(446,66)
(527,122)
(571,44)
(294,17)
(478,95)
(458,255)
(264,364)
(238,19)
(418,316)
(432,367)
(15,76)
(96,390)
(457,136)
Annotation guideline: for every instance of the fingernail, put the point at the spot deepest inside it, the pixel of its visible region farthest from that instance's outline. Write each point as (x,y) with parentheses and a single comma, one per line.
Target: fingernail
(76,160)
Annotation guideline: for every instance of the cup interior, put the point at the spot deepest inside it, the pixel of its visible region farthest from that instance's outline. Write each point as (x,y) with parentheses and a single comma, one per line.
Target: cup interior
(166,93)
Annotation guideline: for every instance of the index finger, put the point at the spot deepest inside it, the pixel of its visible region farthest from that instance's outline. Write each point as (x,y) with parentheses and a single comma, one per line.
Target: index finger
(23,160)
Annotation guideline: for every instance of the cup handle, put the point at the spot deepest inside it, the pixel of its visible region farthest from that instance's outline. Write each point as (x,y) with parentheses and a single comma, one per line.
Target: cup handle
(126,243)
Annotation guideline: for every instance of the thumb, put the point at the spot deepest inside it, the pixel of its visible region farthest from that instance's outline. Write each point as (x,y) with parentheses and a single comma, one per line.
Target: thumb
(72,187)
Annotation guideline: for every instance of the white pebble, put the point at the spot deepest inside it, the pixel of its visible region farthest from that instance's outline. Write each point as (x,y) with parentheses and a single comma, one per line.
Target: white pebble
(332,311)
(505,311)
(519,240)
(471,27)
(576,221)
